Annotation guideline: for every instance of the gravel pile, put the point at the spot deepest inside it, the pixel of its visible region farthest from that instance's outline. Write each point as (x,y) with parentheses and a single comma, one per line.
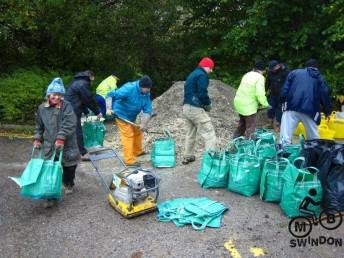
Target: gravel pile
(168,107)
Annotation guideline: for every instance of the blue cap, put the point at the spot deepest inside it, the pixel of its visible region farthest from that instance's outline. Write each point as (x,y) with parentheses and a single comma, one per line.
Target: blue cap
(272,64)
(56,86)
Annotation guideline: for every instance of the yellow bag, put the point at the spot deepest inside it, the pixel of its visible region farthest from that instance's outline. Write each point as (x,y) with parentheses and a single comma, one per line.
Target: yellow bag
(337,125)
(325,132)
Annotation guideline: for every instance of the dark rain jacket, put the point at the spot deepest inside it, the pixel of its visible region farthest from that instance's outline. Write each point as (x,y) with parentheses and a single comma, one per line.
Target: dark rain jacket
(80,96)
(305,91)
(196,89)
(275,81)
(57,123)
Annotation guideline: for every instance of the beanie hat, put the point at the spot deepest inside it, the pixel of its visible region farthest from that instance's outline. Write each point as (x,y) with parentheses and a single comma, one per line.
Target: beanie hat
(56,86)
(115,75)
(260,65)
(272,64)
(206,62)
(311,63)
(145,82)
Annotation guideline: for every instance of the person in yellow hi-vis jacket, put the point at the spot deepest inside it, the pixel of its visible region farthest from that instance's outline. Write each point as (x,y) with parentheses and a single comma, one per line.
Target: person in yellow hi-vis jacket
(107,85)
(126,103)
(250,94)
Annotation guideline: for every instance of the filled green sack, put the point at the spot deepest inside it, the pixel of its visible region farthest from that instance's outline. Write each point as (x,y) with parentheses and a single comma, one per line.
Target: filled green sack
(93,133)
(297,187)
(214,170)
(271,182)
(163,153)
(48,184)
(265,150)
(244,174)
(241,145)
(199,212)
(264,135)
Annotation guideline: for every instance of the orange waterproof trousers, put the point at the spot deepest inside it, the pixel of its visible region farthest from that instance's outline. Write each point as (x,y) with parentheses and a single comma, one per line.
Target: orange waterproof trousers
(131,138)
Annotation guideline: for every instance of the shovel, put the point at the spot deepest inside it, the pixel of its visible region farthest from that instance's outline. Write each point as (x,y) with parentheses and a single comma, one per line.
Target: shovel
(136,125)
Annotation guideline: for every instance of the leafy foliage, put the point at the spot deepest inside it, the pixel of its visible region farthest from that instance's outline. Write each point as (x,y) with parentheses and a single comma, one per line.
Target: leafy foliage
(165,39)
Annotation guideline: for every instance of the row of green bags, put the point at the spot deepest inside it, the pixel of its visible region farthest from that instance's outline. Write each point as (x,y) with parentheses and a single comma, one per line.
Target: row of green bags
(41,179)
(163,153)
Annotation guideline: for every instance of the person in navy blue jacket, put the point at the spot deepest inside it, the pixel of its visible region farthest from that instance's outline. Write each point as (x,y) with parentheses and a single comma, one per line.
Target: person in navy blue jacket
(80,96)
(196,105)
(302,95)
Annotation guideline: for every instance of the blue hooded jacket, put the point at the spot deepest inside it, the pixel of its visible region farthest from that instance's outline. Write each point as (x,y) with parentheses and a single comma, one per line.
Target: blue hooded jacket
(128,101)
(304,91)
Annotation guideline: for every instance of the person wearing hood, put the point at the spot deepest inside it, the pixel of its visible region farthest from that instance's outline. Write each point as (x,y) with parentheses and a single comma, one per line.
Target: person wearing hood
(304,91)
(125,104)
(80,96)
(196,106)
(249,96)
(275,80)
(56,130)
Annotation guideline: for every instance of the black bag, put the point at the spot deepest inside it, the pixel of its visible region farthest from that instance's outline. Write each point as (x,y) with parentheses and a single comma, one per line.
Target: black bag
(333,182)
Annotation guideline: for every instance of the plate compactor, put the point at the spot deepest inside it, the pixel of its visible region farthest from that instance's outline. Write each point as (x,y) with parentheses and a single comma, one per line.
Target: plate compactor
(133,191)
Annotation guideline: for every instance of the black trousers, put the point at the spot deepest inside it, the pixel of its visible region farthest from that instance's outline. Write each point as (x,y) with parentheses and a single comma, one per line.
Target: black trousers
(68,175)
(79,136)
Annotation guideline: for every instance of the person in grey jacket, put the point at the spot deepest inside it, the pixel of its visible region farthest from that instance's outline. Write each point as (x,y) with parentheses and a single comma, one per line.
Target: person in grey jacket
(56,131)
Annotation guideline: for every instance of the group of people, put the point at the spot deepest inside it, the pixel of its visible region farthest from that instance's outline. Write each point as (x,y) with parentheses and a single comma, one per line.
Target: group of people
(293,96)
(289,97)
(58,119)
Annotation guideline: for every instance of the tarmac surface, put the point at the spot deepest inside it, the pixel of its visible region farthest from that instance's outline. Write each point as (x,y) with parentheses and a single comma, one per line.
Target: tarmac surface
(84,224)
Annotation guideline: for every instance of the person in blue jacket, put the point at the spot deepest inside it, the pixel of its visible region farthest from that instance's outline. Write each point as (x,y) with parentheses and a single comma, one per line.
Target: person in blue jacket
(302,95)
(126,103)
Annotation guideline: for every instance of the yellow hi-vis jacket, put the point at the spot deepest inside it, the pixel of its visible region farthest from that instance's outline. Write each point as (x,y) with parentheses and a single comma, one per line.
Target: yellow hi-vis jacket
(107,85)
(250,93)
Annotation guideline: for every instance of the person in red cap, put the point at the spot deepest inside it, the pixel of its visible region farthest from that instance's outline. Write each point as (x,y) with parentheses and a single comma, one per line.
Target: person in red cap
(196,104)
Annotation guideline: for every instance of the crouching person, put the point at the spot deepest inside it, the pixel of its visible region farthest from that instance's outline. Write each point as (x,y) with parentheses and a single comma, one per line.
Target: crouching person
(56,131)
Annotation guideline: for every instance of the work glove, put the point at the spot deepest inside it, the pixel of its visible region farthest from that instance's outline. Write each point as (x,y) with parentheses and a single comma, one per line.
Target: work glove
(207,108)
(59,144)
(109,112)
(37,144)
(144,122)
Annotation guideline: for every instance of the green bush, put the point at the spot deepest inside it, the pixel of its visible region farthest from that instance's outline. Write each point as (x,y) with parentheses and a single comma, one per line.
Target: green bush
(22,91)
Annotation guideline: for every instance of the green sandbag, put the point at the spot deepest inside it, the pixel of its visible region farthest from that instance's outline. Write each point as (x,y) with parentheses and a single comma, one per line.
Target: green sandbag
(244,174)
(94,133)
(163,153)
(265,136)
(214,170)
(32,170)
(297,185)
(49,182)
(199,212)
(271,182)
(264,151)
(241,145)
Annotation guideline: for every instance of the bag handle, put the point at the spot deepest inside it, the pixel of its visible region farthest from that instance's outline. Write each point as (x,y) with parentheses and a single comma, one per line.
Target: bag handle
(168,133)
(211,167)
(54,154)
(303,161)
(39,153)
